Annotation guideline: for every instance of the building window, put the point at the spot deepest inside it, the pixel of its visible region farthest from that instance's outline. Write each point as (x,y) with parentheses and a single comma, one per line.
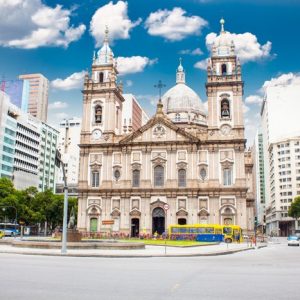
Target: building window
(177,118)
(224,69)
(225,110)
(95,178)
(203,173)
(227,176)
(101,77)
(136,178)
(182,178)
(159,176)
(98,114)
(117,174)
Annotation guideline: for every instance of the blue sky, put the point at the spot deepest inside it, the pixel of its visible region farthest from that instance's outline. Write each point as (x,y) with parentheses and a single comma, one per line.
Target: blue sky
(57,39)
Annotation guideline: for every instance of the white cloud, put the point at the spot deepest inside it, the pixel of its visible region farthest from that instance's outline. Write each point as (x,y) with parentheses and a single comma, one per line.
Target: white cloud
(152,99)
(246,45)
(31,24)
(202,64)
(205,104)
(129,83)
(254,99)
(115,16)
(133,64)
(246,108)
(58,105)
(196,51)
(283,80)
(174,25)
(74,81)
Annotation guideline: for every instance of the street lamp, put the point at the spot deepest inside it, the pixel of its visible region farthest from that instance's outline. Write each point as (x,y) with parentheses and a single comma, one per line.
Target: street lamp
(58,163)
(10,206)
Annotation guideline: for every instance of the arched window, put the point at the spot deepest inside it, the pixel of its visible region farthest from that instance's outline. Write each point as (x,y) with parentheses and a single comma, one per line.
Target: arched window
(101,77)
(224,69)
(159,176)
(136,178)
(182,178)
(203,173)
(225,109)
(98,114)
(177,118)
(227,176)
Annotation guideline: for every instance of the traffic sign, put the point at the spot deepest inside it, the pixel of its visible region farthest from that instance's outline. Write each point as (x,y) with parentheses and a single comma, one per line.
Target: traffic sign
(166,206)
(108,222)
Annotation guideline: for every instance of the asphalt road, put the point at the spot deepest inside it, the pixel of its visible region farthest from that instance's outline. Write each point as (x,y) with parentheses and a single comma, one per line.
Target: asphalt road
(269,273)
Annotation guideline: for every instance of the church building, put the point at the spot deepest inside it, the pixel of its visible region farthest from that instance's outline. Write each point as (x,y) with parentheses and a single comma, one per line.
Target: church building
(184,166)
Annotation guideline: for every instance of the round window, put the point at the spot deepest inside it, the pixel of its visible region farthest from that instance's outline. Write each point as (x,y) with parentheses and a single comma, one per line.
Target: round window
(203,173)
(117,174)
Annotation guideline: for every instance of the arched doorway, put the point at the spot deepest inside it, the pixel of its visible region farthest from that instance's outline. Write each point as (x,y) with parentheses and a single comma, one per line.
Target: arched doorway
(135,227)
(182,221)
(158,220)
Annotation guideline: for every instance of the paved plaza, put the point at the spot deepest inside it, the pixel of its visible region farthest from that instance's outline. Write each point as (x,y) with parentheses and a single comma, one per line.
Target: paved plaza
(267,273)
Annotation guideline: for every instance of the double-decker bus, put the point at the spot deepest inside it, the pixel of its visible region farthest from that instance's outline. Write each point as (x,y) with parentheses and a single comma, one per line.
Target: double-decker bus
(227,233)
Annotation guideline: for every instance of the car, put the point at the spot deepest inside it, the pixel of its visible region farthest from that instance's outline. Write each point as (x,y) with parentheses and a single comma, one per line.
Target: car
(1,234)
(293,240)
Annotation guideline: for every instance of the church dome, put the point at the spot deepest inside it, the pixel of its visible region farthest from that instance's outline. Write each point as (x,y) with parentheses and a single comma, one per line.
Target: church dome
(181,103)
(182,98)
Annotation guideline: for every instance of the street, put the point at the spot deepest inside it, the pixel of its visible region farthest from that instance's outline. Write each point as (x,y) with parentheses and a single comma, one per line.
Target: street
(268,273)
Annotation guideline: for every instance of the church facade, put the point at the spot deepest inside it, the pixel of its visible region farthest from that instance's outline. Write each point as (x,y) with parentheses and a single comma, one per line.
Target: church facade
(184,166)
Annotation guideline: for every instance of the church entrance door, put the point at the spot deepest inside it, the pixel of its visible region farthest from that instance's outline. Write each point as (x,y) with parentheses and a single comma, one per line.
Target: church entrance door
(93,224)
(158,220)
(135,227)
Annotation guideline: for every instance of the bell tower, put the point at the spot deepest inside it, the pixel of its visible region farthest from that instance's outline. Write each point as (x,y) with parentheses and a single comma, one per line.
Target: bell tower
(224,87)
(102,97)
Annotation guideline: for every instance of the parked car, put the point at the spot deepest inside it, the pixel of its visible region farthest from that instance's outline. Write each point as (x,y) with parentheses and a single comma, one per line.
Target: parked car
(1,234)
(293,240)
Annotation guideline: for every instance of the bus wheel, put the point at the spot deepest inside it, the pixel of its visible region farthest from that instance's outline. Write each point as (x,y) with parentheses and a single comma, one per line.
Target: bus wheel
(228,240)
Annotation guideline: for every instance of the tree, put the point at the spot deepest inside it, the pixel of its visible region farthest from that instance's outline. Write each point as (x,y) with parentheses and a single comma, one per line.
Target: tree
(294,210)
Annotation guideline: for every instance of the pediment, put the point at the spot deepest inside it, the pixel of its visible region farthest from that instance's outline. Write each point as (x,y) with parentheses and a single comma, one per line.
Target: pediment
(159,129)
(135,213)
(181,213)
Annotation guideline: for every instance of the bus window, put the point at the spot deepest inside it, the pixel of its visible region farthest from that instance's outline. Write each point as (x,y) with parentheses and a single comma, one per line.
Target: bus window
(200,230)
(183,230)
(227,230)
(210,230)
(175,230)
(193,230)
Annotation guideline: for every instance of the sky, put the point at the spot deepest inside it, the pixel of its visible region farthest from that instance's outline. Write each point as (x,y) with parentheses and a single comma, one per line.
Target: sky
(58,38)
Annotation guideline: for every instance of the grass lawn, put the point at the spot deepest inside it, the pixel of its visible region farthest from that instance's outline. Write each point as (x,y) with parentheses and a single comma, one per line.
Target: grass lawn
(170,242)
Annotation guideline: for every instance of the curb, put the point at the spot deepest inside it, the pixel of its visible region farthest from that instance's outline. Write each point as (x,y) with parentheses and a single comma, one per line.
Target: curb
(133,256)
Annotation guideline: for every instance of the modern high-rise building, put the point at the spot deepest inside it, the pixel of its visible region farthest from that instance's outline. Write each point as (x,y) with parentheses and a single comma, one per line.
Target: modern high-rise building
(48,146)
(38,95)
(68,145)
(259,170)
(281,152)
(18,92)
(133,115)
(27,148)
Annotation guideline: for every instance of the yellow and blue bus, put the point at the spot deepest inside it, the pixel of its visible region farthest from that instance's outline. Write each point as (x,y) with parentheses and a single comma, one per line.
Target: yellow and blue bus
(206,232)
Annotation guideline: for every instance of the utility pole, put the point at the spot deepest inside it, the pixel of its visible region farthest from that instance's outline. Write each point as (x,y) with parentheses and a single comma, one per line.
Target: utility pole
(59,163)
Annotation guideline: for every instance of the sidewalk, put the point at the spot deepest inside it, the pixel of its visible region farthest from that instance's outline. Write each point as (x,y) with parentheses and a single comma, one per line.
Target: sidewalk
(149,251)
